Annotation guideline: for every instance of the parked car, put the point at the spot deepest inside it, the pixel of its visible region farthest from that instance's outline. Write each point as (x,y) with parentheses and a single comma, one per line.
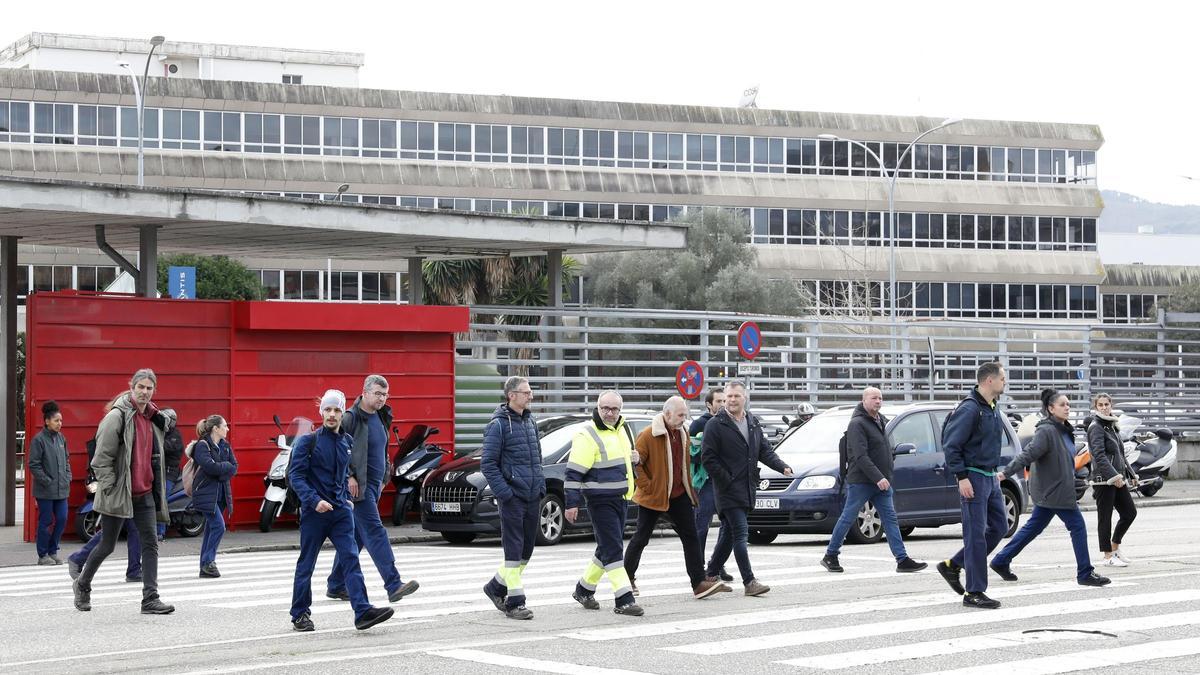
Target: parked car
(926,495)
(456,501)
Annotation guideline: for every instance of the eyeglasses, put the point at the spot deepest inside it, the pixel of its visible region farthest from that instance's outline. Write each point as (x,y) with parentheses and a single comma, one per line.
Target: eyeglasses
(523,391)
(379,394)
(609,409)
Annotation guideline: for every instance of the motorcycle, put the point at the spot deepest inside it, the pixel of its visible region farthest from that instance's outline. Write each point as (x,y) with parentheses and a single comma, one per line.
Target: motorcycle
(187,522)
(413,460)
(87,519)
(277,498)
(1148,460)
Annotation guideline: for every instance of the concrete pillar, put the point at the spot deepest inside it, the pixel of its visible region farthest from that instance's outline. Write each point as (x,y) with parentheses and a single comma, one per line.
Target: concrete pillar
(416,282)
(8,380)
(554,299)
(554,273)
(147,278)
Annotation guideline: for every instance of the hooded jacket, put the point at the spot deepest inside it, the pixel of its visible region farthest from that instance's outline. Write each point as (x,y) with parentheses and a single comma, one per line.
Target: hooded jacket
(657,470)
(732,463)
(868,451)
(114,438)
(1108,454)
(1051,466)
(354,423)
(601,463)
(972,436)
(512,456)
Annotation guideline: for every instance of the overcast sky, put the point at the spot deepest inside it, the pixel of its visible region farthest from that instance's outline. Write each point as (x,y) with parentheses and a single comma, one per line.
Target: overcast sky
(1128,66)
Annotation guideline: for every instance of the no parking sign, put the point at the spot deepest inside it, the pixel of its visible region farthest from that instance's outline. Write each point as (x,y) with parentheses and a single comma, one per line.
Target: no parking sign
(689,379)
(749,340)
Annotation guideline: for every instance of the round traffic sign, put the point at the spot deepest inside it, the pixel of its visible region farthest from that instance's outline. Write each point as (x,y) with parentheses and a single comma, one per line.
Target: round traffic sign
(689,379)
(749,340)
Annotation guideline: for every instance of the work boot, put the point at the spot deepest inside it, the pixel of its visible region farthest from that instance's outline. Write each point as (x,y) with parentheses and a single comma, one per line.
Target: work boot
(83,597)
(632,609)
(830,562)
(373,616)
(1004,572)
(950,572)
(587,600)
(756,588)
(520,612)
(407,588)
(706,588)
(910,565)
(303,623)
(497,600)
(980,601)
(156,606)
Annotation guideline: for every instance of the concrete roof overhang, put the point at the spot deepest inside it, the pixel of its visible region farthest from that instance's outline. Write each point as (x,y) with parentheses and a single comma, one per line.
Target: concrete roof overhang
(59,213)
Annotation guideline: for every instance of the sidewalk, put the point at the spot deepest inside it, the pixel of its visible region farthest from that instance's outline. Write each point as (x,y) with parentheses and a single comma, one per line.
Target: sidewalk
(14,551)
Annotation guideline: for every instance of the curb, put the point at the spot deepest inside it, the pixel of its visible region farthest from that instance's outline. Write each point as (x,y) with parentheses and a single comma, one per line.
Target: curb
(1142,503)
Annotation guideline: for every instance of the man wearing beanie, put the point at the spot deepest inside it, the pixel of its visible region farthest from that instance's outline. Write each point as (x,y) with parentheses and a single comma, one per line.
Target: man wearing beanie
(318,471)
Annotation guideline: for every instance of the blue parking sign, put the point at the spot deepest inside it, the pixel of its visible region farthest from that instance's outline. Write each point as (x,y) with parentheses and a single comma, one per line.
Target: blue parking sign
(181,281)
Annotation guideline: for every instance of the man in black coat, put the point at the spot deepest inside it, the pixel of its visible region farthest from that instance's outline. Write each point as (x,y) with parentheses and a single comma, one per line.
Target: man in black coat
(733,446)
(869,478)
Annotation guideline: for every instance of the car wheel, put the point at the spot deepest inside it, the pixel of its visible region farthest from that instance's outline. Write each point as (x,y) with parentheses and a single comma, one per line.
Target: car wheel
(87,524)
(459,537)
(762,538)
(867,527)
(1012,510)
(551,521)
(905,531)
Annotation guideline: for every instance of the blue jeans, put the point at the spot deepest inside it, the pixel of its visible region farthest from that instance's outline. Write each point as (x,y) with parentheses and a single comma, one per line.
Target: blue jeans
(133,565)
(705,511)
(338,527)
(1038,520)
(52,518)
(370,534)
(214,529)
(984,522)
(858,494)
(733,536)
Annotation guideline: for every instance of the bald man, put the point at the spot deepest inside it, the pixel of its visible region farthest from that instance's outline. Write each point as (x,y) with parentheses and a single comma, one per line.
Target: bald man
(869,478)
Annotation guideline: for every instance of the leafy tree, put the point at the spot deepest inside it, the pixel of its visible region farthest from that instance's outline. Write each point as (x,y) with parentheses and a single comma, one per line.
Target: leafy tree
(20,373)
(217,277)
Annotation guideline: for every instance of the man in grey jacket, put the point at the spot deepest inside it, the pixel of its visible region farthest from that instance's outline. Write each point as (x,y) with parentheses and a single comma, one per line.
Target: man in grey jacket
(869,478)
(130,471)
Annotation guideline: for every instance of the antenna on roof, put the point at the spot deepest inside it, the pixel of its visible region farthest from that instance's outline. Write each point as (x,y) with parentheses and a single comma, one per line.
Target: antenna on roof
(748,98)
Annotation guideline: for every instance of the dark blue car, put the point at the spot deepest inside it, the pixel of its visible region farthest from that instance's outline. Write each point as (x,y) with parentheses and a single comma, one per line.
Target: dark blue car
(811,500)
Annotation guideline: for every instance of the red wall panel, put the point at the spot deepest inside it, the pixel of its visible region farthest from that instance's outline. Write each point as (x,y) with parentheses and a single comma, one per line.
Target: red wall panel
(245,361)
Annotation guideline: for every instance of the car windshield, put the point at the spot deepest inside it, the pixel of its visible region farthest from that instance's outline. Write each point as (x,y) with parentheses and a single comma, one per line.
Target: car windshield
(559,438)
(821,434)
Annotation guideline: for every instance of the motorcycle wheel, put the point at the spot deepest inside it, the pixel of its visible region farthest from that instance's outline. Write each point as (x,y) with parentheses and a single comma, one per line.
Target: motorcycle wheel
(190,524)
(401,505)
(86,524)
(266,516)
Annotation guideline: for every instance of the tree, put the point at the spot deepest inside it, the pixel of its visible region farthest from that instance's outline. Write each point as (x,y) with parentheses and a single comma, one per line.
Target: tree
(718,271)
(20,373)
(217,277)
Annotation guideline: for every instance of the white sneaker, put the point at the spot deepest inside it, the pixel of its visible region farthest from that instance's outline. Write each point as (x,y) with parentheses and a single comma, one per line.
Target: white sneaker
(1114,562)
(1122,557)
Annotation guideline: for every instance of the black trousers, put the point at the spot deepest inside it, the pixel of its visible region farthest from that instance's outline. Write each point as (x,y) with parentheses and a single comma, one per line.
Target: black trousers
(683,519)
(145,518)
(1108,497)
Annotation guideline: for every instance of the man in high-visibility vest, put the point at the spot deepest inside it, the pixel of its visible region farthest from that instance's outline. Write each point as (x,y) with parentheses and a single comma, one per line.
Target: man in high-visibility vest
(600,472)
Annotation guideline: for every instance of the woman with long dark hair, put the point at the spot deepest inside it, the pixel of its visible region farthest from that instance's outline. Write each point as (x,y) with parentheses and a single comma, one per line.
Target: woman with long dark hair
(211,492)
(1108,465)
(50,464)
(1050,456)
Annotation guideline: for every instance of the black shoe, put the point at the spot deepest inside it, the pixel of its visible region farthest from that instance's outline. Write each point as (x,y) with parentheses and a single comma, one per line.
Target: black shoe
(210,571)
(588,601)
(408,588)
(303,623)
(980,601)
(632,609)
(135,579)
(1004,572)
(724,576)
(830,562)
(1094,579)
(373,616)
(497,600)
(520,612)
(83,598)
(634,588)
(950,573)
(338,595)
(910,565)
(74,569)
(156,606)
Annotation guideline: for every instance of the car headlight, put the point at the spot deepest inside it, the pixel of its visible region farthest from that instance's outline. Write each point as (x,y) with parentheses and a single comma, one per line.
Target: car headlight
(817,483)
(404,468)
(278,472)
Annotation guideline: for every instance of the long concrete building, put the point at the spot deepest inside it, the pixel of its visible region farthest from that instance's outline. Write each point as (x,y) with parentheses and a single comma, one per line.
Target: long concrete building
(995,219)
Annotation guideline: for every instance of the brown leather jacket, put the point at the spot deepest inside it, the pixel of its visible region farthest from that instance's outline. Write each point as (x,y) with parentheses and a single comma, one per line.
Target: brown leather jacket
(657,467)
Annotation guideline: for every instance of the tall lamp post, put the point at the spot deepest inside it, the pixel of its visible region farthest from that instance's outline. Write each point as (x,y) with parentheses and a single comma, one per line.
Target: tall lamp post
(890,184)
(138,88)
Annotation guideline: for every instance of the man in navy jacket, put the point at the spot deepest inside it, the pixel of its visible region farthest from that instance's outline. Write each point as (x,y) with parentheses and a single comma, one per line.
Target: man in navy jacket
(318,471)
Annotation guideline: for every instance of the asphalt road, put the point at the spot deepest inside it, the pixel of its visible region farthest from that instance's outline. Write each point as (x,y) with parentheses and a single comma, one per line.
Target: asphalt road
(868,619)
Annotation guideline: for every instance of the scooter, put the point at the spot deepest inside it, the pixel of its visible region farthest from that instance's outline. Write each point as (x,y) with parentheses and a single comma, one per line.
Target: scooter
(278,499)
(1151,460)
(413,460)
(87,519)
(187,522)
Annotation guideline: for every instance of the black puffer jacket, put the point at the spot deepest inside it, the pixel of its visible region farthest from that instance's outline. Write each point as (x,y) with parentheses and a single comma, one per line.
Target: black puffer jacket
(1108,455)
(732,463)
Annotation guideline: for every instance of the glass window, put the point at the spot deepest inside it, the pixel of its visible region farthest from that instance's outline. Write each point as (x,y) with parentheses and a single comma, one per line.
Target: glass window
(917,429)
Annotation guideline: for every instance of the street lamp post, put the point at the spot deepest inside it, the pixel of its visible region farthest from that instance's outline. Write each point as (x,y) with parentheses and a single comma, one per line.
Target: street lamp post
(138,88)
(891,192)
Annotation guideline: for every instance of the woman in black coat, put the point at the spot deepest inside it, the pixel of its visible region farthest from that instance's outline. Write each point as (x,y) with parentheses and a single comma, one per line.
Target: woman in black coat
(211,492)
(1108,465)
(50,465)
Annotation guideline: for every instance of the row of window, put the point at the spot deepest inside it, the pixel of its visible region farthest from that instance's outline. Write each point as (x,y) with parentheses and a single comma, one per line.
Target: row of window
(168,128)
(1129,307)
(342,286)
(955,300)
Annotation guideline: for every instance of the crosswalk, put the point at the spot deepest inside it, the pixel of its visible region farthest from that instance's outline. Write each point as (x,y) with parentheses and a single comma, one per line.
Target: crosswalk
(909,624)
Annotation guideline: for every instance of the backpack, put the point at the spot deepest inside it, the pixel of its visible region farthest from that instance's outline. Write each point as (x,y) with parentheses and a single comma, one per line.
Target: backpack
(291,497)
(843,458)
(188,476)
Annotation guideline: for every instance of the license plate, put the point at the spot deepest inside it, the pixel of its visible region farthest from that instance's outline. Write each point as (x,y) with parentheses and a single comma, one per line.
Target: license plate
(449,507)
(766,503)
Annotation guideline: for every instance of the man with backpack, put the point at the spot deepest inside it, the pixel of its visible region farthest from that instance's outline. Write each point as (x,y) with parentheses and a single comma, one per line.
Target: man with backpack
(868,467)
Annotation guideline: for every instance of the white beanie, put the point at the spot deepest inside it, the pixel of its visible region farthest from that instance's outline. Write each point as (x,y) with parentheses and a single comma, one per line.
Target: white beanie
(332,399)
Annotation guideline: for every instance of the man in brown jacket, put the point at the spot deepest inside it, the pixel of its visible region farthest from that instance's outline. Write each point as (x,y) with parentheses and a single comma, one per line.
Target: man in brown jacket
(664,486)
